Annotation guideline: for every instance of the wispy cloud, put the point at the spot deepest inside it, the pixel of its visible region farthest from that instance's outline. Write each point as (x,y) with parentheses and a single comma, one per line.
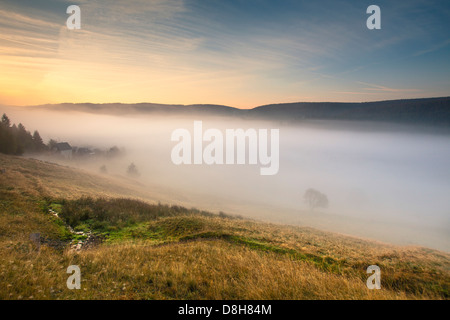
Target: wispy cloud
(375,87)
(355,93)
(433,48)
(14,19)
(193,50)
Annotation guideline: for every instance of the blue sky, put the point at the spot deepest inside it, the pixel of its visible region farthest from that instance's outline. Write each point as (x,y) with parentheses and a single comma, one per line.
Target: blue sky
(240,53)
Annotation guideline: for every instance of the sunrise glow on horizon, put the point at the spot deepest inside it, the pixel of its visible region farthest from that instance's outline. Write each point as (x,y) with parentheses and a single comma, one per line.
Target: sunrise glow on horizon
(236,53)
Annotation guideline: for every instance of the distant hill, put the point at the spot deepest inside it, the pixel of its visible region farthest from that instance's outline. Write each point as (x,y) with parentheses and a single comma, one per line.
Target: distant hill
(125,109)
(432,111)
(427,111)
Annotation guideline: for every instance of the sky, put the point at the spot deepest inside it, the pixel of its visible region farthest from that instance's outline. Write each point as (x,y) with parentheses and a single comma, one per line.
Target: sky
(240,53)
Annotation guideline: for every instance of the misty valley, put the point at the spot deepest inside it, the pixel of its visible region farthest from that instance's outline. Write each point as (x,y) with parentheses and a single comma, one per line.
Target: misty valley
(385,182)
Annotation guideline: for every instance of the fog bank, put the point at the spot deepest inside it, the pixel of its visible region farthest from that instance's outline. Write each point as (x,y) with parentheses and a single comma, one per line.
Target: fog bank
(384,182)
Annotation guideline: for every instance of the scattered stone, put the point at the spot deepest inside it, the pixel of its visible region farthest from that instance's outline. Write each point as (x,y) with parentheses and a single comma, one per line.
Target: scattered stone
(91,240)
(53,213)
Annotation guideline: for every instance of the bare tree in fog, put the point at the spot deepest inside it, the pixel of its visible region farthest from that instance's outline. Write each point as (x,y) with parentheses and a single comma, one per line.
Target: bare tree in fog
(132,171)
(114,152)
(52,144)
(315,199)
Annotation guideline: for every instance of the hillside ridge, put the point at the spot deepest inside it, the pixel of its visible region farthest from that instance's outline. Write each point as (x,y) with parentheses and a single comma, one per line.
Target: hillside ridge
(424,111)
(157,251)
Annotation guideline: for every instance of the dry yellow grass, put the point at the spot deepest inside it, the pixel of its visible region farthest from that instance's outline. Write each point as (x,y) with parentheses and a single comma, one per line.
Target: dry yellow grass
(199,270)
(199,257)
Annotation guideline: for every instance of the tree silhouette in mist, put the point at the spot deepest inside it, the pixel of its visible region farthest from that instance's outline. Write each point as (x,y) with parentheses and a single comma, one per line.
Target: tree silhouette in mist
(315,199)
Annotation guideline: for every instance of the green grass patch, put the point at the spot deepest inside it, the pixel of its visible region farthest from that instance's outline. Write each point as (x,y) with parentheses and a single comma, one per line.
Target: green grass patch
(57,207)
(324,263)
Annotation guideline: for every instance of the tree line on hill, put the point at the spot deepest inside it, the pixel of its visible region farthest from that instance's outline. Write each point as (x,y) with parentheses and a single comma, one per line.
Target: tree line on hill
(16,139)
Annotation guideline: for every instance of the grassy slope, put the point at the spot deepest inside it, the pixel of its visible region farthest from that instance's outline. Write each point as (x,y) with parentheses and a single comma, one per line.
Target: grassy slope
(161,252)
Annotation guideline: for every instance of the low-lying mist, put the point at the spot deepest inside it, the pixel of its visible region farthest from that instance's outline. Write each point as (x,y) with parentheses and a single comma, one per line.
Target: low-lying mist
(383,181)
